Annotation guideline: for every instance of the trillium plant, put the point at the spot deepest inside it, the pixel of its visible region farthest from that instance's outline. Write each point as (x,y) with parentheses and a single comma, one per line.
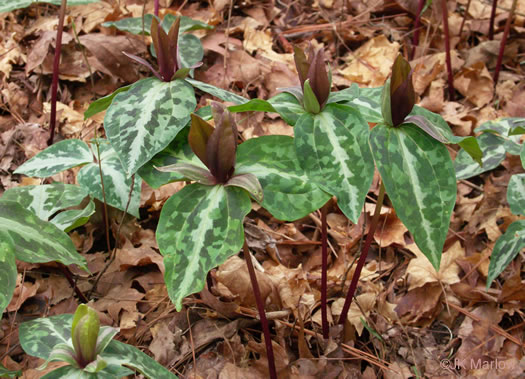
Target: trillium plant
(88,348)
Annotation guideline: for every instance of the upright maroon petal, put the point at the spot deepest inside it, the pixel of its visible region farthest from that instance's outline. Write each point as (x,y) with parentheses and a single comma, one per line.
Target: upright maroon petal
(173,37)
(301,64)
(222,144)
(402,94)
(318,76)
(200,132)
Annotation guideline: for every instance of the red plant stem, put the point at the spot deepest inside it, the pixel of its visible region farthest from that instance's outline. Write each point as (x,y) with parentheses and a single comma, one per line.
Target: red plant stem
(415,38)
(262,314)
(504,41)
(157,8)
(447,50)
(324,273)
(464,19)
(69,277)
(492,18)
(56,63)
(364,253)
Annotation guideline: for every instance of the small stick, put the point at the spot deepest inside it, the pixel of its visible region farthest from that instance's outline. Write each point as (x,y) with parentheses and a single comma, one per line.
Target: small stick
(364,253)
(464,19)
(56,63)
(504,42)
(447,48)
(157,8)
(262,314)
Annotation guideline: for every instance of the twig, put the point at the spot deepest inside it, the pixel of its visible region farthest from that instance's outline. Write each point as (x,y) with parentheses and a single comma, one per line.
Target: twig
(492,18)
(415,38)
(324,272)
(113,253)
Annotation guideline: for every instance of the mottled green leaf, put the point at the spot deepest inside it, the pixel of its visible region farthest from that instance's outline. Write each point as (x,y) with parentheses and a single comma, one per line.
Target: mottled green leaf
(288,107)
(506,249)
(288,193)
(5,373)
(38,337)
(73,218)
(7,270)
(134,24)
(516,194)
(332,147)
(522,155)
(56,158)
(178,151)
(220,93)
(506,126)
(144,120)
(347,94)
(130,356)
(435,126)
(35,240)
(248,182)
(10,5)
(190,50)
(47,199)
(116,185)
(418,175)
(493,149)
(254,105)
(103,103)
(70,372)
(199,228)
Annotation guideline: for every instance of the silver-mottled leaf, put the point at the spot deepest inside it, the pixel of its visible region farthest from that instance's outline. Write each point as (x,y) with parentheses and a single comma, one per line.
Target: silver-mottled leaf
(493,149)
(9,5)
(8,270)
(142,121)
(116,185)
(56,158)
(220,93)
(35,240)
(516,194)
(506,249)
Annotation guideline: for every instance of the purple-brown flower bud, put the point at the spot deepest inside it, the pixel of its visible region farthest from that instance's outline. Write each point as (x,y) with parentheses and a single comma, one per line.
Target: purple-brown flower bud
(402,94)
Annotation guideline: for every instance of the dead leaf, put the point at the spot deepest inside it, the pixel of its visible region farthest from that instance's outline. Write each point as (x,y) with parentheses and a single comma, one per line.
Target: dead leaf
(475,83)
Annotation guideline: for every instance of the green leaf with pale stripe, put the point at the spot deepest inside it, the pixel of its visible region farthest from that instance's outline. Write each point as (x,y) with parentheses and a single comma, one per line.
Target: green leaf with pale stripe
(435,126)
(220,93)
(5,373)
(368,102)
(288,192)
(507,247)
(493,149)
(10,5)
(35,240)
(56,158)
(332,147)
(522,155)
(8,270)
(254,105)
(516,194)
(288,107)
(190,50)
(178,151)
(39,337)
(345,95)
(144,120)
(103,103)
(199,228)
(419,179)
(116,185)
(47,199)
(133,25)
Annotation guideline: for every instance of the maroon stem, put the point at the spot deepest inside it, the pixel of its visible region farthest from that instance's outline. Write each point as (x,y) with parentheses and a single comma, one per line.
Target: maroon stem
(69,277)
(415,38)
(262,314)
(464,19)
(364,253)
(157,8)
(504,42)
(447,49)
(56,63)
(492,18)
(324,273)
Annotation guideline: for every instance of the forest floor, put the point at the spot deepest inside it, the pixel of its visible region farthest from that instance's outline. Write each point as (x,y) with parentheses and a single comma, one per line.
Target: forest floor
(407,321)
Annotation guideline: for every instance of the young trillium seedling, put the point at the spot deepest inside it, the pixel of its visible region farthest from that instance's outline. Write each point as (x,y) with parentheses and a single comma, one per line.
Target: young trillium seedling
(167,51)
(315,80)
